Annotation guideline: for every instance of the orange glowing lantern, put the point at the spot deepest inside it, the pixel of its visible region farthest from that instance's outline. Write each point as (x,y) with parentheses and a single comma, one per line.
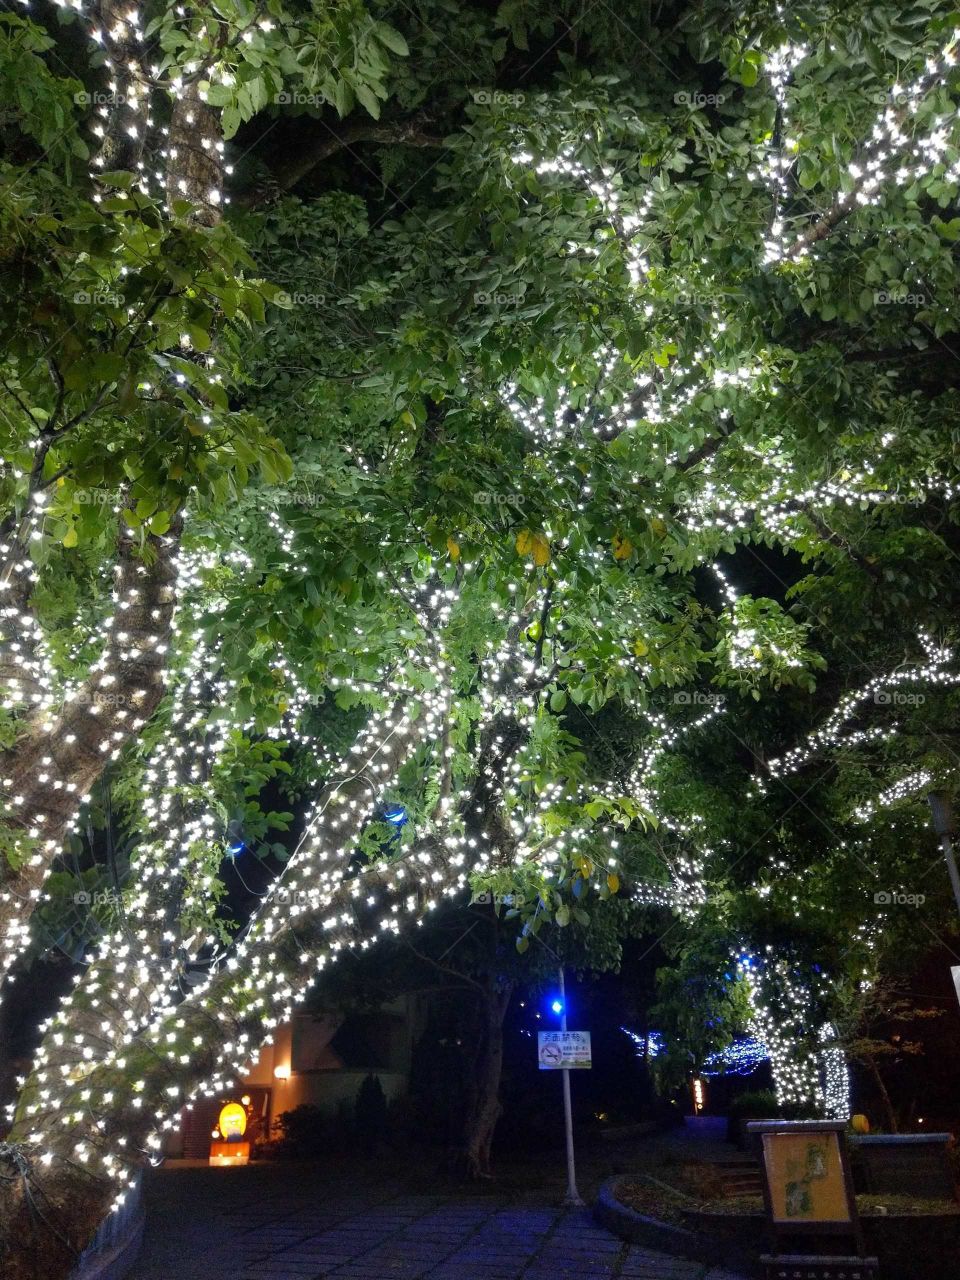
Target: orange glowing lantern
(232,1125)
(233,1122)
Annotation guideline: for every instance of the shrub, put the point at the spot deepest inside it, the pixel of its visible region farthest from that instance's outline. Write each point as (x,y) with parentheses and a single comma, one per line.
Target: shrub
(303,1130)
(370,1111)
(756,1104)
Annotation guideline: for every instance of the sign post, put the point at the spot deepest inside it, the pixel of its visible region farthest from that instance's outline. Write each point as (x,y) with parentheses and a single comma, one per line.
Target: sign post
(808,1193)
(561,1050)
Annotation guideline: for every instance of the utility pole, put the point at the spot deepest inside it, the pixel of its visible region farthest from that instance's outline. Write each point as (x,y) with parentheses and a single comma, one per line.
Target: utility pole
(943,823)
(573,1195)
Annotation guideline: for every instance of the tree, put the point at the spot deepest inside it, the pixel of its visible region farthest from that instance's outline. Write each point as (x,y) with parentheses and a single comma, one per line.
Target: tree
(615,333)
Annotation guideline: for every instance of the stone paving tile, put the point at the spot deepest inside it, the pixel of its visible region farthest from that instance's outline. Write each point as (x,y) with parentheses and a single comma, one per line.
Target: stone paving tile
(228,1231)
(579,1272)
(660,1266)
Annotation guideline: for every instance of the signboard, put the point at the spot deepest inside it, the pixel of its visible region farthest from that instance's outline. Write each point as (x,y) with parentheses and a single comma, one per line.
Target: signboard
(563,1050)
(805,1175)
(808,1192)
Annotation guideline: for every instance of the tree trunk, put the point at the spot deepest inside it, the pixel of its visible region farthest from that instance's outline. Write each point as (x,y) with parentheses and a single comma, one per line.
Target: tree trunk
(113,1066)
(44,1227)
(885,1099)
(55,761)
(473,1159)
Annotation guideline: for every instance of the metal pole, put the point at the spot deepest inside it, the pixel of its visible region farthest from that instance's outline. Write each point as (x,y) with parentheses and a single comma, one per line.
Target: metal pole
(943,824)
(573,1195)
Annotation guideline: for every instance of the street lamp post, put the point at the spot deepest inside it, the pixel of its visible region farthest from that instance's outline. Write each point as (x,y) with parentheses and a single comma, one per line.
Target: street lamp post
(943,823)
(573,1195)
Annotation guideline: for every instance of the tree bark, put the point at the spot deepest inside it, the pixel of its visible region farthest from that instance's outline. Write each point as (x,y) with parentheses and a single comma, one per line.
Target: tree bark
(474,1160)
(885,1100)
(103,1082)
(55,762)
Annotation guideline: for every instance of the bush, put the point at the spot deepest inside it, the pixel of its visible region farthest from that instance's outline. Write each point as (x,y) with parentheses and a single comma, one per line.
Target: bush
(303,1131)
(756,1104)
(370,1112)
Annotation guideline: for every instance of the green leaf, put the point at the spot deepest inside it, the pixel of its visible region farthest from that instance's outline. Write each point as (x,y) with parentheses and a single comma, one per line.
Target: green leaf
(230,121)
(369,100)
(392,38)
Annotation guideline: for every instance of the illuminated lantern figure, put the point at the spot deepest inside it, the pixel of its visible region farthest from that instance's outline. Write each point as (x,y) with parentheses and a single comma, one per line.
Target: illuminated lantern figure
(231,1127)
(860,1124)
(233,1122)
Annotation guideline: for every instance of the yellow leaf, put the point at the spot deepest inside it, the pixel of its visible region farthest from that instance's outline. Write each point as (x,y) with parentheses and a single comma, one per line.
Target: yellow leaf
(659,527)
(60,482)
(534,545)
(640,649)
(70,538)
(454,548)
(757,651)
(541,550)
(622,547)
(613,882)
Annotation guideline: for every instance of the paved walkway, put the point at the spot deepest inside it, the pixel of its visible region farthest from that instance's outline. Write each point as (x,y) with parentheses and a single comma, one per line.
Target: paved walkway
(278,1223)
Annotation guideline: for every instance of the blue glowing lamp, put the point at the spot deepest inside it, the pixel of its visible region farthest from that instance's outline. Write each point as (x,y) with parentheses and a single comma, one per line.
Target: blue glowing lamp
(557,1006)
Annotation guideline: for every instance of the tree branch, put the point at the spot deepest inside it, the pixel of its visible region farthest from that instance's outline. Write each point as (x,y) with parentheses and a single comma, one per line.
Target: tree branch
(410,133)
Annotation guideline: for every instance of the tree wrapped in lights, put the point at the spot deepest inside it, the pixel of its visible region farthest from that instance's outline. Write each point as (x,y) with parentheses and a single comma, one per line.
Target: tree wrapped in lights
(543,420)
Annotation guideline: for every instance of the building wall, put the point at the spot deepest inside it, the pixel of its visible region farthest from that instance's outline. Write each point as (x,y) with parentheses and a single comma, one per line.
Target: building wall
(313,1072)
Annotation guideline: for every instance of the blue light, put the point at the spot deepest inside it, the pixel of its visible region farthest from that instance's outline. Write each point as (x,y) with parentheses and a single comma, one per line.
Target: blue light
(738,1059)
(557,1006)
(234,849)
(654,1046)
(397,816)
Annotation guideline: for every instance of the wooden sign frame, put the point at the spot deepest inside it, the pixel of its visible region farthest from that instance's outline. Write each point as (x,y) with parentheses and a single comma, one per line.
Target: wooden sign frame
(836,1164)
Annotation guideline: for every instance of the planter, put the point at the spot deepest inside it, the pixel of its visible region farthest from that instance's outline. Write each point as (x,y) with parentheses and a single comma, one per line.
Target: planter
(914,1246)
(642,1129)
(910,1246)
(913,1164)
(116,1246)
(679,1242)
